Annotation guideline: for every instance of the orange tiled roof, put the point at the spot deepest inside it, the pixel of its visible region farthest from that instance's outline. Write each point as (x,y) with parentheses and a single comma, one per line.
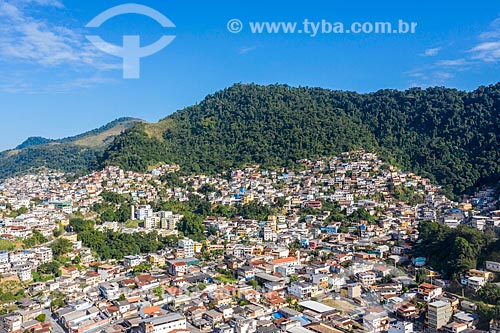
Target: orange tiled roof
(151,310)
(284,260)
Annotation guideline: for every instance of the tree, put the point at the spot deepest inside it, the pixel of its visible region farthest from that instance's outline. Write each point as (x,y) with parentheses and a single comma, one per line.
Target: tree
(36,239)
(58,302)
(159,292)
(122,297)
(50,268)
(144,267)
(451,251)
(253,283)
(59,230)
(78,224)
(463,256)
(489,294)
(123,213)
(41,317)
(116,245)
(192,227)
(6,245)
(449,135)
(421,275)
(77,260)
(60,247)
(361,214)
(171,240)
(112,197)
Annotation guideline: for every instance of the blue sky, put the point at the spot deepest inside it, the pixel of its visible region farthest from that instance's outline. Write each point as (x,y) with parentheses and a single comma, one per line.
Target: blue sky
(55,83)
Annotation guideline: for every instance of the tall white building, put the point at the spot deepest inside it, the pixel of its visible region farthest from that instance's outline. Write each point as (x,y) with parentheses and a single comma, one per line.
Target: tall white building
(438,315)
(188,246)
(143,212)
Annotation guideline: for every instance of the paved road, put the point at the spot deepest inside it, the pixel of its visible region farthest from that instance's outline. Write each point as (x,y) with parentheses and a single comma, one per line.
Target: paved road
(56,328)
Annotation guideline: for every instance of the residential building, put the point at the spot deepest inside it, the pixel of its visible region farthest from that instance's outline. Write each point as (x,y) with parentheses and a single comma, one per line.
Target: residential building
(428,292)
(143,212)
(43,254)
(132,260)
(367,279)
(354,290)
(109,290)
(487,276)
(188,247)
(163,324)
(475,282)
(401,327)
(376,321)
(438,315)
(23,271)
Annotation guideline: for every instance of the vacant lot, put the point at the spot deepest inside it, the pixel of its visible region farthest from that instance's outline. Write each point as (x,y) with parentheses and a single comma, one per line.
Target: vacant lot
(340,304)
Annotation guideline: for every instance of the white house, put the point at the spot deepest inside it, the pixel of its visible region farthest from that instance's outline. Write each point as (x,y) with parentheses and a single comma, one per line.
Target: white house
(401,327)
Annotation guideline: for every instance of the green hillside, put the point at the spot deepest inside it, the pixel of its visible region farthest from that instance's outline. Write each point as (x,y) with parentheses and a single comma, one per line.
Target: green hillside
(448,135)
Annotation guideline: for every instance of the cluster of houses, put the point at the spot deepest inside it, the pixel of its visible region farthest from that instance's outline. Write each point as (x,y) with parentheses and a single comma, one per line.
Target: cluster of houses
(299,270)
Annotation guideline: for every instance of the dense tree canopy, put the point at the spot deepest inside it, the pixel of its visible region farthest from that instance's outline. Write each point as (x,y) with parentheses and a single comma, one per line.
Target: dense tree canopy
(116,245)
(114,207)
(60,247)
(453,251)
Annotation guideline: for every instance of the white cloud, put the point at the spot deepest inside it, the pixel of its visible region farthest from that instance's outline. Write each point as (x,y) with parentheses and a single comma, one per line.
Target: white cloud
(60,84)
(493,32)
(453,63)
(488,49)
(246,49)
(51,3)
(33,41)
(432,52)
(441,75)
(429,76)
(485,50)
(26,38)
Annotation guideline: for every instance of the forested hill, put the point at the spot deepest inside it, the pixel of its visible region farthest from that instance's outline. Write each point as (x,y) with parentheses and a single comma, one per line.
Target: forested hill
(448,135)
(72,154)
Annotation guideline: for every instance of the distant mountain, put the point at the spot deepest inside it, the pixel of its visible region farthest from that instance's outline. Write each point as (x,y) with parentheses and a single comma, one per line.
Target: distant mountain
(33,141)
(76,153)
(451,136)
